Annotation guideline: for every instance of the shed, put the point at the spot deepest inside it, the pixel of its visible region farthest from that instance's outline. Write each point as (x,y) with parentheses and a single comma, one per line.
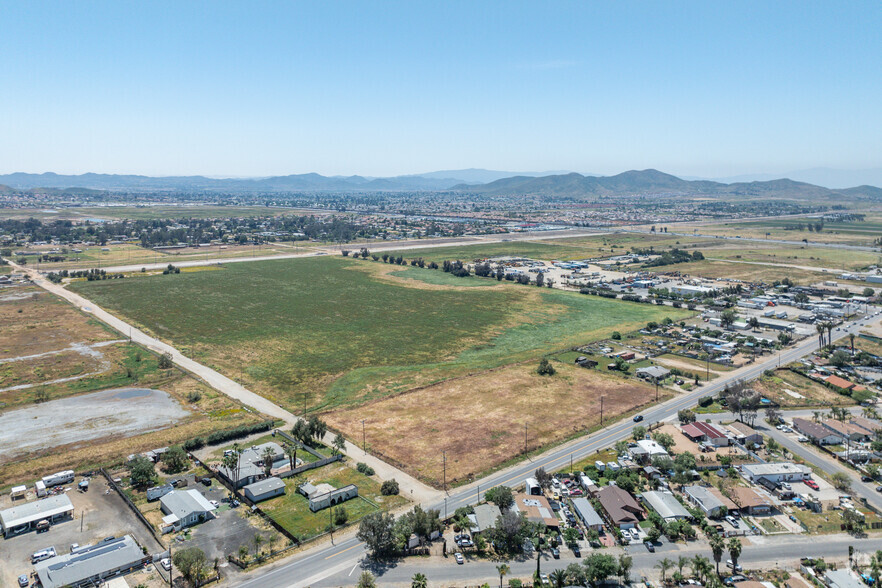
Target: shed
(24,517)
(264,489)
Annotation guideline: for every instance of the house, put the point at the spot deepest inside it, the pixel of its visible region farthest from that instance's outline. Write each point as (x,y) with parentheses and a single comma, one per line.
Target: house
(666,505)
(24,517)
(750,501)
(621,508)
(91,564)
(706,432)
(537,510)
(843,578)
(484,518)
(251,467)
(868,425)
(587,514)
(651,473)
(184,508)
(745,434)
(653,372)
(325,495)
(264,489)
(818,433)
(709,500)
(846,430)
(645,449)
(839,382)
(776,472)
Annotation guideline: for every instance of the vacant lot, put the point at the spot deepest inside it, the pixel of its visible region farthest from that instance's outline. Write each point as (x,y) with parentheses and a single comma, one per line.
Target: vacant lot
(292,510)
(480,420)
(792,390)
(855,233)
(320,333)
(33,321)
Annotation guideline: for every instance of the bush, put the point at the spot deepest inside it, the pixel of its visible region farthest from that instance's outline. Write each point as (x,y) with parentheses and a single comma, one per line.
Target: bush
(194,444)
(389,488)
(238,432)
(364,468)
(194,396)
(545,368)
(165,361)
(705,401)
(340,516)
(616,336)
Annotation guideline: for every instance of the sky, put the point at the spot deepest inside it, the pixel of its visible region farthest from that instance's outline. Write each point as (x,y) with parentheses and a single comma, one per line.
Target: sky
(254,88)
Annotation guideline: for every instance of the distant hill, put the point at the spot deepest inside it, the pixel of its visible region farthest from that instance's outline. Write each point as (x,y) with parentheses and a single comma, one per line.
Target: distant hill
(564,185)
(652,181)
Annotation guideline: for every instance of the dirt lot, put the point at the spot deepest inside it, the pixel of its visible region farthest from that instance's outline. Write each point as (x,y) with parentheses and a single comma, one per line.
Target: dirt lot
(794,390)
(121,412)
(480,420)
(33,321)
(97,514)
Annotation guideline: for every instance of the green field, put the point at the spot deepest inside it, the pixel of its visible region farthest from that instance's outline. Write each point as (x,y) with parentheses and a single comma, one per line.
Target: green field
(316,334)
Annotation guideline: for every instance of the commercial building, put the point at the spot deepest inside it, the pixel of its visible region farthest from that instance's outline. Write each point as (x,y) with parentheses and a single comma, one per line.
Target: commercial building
(666,505)
(24,517)
(776,472)
(699,431)
(91,564)
(264,489)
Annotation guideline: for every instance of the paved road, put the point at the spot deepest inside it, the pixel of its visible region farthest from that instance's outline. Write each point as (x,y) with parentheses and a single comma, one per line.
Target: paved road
(327,562)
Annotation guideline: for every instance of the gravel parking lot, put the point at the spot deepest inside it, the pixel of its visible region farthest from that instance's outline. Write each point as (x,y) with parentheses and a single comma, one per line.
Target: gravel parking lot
(97,514)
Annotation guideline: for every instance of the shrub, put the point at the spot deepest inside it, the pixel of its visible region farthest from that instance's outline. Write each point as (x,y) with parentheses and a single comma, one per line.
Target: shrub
(545,368)
(194,444)
(165,361)
(238,432)
(365,469)
(705,401)
(340,516)
(194,396)
(389,488)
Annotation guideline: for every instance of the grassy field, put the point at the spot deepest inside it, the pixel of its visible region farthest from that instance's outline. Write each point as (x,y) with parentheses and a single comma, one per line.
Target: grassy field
(853,233)
(480,420)
(330,332)
(747,272)
(805,392)
(292,512)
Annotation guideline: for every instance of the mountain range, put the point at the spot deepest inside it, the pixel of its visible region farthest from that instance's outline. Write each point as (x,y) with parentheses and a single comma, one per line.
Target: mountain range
(486,183)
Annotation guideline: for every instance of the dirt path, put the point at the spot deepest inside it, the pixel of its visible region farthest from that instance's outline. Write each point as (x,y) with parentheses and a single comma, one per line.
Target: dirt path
(410,486)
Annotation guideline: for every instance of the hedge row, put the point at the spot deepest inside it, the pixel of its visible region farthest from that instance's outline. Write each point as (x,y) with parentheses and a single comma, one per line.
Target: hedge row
(227,435)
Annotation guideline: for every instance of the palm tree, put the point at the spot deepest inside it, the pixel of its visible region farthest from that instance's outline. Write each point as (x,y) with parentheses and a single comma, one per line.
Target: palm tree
(625,564)
(682,562)
(817,416)
(663,566)
(700,567)
(734,551)
(503,571)
(291,451)
(717,546)
(268,457)
(819,328)
(419,581)
(558,578)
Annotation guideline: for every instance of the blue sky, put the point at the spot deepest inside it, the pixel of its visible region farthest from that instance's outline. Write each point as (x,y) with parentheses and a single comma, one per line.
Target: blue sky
(266,88)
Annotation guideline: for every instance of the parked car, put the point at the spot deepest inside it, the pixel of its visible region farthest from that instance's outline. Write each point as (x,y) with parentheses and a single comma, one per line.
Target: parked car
(576,551)
(165,563)
(206,480)
(555,553)
(736,567)
(732,521)
(459,558)
(878,488)
(649,546)
(866,479)
(43,554)
(811,484)
(23,580)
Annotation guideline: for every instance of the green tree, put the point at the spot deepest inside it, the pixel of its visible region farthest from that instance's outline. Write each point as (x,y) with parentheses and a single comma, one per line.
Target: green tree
(175,459)
(165,361)
(366,580)
(339,443)
(626,562)
(290,450)
(190,561)
(419,581)
(545,368)
(727,318)
(558,578)
(600,566)
(317,428)
(142,472)
(841,481)
(267,457)
(665,440)
(664,566)
(501,496)
(375,530)
(638,433)
(717,546)
(301,432)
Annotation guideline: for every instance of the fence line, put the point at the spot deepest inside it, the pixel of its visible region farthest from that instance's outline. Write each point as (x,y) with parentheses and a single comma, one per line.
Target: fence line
(131,505)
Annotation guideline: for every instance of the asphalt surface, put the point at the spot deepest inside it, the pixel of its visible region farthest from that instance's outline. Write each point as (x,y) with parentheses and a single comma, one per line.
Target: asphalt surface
(331,564)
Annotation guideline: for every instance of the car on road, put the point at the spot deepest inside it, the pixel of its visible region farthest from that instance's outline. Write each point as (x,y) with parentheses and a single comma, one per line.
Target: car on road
(638,418)
(649,546)
(459,558)
(23,580)
(878,488)
(165,563)
(576,551)
(811,484)
(555,553)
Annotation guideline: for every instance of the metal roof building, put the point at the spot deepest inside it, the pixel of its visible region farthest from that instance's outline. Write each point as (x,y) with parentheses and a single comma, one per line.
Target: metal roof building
(184,508)
(587,514)
(265,489)
(90,564)
(19,519)
(666,505)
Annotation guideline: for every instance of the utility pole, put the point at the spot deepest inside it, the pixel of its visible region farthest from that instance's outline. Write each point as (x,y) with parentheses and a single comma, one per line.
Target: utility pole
(331,523)
(171,567)
(444,457)
(82,518)
(601,411)
(363,438)
(525,438)
(707,373)
(445,508)
(479,494)
(656,388)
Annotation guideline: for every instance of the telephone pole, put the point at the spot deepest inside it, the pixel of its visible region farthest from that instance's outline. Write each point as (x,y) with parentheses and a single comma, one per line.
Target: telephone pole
(363,438)
(444,457)
(525,438)
(601,411)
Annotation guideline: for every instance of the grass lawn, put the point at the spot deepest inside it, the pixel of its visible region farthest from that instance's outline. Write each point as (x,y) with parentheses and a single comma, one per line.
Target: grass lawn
(292,509)
(829,521)
(328,332)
